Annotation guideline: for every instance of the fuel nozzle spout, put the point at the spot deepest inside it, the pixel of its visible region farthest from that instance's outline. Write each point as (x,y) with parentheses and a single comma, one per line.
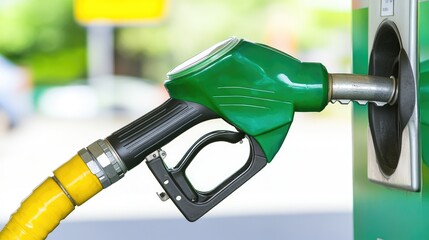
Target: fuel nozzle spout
(362,89)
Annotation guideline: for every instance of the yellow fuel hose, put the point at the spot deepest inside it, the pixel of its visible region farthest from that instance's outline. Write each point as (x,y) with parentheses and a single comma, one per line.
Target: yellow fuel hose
(73,184)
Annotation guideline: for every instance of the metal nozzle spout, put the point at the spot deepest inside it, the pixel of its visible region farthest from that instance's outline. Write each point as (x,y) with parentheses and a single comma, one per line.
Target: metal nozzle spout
(362,89)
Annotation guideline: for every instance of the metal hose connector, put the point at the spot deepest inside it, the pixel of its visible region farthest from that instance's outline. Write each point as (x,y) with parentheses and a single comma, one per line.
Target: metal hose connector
(104,162)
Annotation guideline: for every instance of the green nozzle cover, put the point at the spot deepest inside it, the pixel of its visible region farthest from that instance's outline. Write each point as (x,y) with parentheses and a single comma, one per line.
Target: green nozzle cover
(252,86)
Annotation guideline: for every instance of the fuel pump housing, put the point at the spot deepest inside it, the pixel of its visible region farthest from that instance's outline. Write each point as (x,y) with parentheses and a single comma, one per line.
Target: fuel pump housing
(389,157)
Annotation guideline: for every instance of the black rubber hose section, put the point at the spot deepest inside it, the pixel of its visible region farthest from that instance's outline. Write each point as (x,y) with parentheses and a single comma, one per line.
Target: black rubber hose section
(137,140)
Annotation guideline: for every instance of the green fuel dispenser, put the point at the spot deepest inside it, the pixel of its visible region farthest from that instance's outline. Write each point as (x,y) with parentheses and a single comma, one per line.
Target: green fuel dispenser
(390,160)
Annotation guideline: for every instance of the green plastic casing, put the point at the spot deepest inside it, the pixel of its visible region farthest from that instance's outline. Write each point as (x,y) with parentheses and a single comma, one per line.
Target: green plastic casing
(252,86)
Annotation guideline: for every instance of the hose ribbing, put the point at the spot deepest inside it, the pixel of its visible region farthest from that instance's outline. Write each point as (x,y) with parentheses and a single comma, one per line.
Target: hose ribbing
(52,201)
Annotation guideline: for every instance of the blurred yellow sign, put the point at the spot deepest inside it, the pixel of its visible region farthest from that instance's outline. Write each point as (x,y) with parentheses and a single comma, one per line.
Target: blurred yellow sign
(119,11)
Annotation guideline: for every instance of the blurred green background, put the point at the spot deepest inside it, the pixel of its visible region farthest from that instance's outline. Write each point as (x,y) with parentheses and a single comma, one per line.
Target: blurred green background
(42,36)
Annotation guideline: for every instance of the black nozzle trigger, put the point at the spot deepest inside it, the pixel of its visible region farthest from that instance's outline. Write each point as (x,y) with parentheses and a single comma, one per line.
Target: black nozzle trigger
(191,202)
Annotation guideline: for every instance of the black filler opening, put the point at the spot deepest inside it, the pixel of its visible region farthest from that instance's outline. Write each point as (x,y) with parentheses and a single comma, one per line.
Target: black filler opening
(387,122)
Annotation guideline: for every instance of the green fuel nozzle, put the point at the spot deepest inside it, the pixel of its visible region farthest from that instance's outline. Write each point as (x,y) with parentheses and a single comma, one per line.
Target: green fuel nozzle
(252,86)
(255,88)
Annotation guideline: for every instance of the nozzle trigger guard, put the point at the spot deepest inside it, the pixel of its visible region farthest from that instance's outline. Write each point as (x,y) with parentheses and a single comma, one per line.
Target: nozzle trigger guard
(193,203)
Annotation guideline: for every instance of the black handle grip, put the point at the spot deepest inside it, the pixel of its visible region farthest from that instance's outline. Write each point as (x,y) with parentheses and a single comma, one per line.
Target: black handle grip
(137,140)
(193,203)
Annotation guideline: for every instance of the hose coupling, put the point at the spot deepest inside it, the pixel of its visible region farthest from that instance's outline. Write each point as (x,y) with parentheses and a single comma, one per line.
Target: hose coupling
(104,162)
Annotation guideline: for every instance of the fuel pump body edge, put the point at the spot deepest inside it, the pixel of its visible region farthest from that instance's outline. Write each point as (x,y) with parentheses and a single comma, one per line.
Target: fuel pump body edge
(383,211)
